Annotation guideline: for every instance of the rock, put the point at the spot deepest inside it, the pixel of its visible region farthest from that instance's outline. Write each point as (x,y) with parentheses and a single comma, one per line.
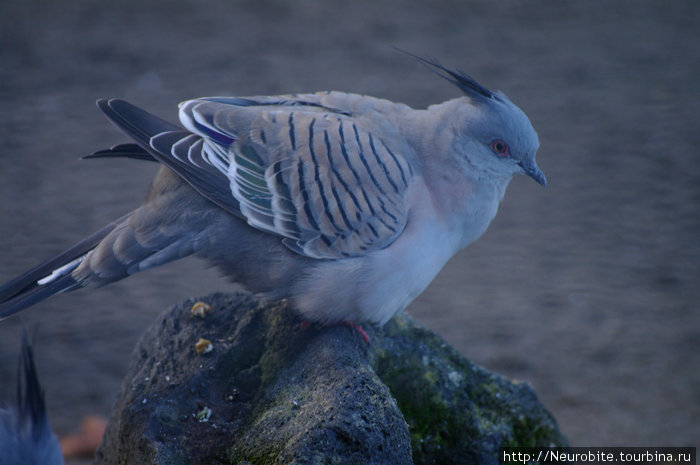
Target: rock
(266,391)
(457,412)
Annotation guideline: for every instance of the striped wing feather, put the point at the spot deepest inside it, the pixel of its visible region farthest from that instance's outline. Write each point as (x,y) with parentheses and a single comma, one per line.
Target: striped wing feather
(312,175)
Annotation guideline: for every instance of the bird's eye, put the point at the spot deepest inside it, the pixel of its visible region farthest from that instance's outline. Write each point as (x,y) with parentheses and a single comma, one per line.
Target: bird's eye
(500,148)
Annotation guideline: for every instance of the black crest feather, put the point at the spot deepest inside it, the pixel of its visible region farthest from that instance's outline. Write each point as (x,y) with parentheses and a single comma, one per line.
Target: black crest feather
(459,78)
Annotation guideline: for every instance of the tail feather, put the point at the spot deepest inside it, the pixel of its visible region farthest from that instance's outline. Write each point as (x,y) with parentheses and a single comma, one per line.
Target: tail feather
(50,277)
(129,250)
(37,294)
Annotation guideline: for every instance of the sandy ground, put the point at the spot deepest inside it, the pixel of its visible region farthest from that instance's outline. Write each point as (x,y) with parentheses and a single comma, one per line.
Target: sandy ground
(587,289)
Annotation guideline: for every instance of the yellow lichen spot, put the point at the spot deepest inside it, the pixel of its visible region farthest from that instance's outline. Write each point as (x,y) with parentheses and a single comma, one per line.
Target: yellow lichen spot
(203,415)
(203,346)
(200,309)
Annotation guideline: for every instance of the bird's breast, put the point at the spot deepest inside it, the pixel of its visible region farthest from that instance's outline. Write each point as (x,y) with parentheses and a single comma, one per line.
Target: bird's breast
(376,286)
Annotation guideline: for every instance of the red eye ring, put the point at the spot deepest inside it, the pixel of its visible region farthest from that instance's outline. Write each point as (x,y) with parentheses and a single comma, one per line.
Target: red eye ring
(500,148)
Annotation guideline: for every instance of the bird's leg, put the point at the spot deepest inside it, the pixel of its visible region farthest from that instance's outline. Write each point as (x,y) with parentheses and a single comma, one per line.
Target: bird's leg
(304,325)
(358,328)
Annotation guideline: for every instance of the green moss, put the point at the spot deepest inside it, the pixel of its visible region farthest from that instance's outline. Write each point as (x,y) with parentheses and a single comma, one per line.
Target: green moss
(279,345)
(531,432)
(452,406)
(431,377)
(434,427)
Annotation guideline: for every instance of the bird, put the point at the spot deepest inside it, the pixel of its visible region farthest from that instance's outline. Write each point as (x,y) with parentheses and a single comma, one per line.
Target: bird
(26,437)
(346,205)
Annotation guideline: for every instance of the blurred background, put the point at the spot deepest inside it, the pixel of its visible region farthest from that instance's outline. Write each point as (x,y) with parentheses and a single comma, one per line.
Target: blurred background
(587,289)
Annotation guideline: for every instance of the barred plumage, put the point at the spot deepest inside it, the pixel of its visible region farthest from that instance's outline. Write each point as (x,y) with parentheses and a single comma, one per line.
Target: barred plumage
(296,173)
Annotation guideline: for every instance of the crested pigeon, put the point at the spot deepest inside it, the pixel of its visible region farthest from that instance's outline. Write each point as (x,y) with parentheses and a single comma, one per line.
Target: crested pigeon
(347,205)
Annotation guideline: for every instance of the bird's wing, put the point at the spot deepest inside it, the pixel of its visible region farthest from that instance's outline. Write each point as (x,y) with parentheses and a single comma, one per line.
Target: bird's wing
(134,151)
(316,176)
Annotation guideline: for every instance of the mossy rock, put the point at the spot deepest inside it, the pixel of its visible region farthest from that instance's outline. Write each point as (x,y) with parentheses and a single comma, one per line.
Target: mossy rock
(270,392)
(457,412)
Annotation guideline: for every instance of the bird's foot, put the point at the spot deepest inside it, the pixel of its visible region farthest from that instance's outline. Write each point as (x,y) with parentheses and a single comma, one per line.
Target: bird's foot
(358,328)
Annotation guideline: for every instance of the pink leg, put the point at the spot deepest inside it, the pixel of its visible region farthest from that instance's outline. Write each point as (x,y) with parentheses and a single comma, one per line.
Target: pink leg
(304,325)
(358,328)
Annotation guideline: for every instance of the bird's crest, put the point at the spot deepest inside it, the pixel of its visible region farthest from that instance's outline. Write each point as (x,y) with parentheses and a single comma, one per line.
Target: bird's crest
(459,78)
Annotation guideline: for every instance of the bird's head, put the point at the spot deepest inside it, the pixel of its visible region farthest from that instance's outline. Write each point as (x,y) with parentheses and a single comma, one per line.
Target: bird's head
(493,135)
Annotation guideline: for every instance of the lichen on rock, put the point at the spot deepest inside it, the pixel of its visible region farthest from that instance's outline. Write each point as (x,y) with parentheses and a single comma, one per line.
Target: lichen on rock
(275,393)
(457,411)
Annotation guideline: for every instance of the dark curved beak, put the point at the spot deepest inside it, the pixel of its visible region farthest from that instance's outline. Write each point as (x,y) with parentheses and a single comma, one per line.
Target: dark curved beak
(531,169)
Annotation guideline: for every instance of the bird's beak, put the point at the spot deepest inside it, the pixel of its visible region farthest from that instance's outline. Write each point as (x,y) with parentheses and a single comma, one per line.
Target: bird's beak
(531,169)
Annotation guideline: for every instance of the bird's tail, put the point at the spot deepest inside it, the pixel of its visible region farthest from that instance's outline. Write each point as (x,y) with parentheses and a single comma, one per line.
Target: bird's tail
(50,277)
